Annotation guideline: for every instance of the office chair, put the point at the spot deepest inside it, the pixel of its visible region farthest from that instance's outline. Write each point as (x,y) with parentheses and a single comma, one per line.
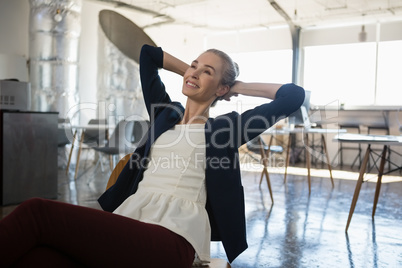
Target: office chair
(258,146)
(123,140)
(384,130)
(94,135)
(342,147)
(64,137)
(64,132)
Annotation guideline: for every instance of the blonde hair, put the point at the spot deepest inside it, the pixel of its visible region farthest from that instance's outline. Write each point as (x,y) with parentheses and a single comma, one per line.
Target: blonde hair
(230,70)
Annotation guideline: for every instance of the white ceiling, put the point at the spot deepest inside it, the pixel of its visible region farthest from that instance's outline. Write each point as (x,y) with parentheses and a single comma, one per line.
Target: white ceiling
(222,15)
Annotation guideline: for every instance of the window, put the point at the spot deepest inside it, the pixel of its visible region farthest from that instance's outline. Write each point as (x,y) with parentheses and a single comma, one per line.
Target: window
(274,66)
(343,74)
(389,80)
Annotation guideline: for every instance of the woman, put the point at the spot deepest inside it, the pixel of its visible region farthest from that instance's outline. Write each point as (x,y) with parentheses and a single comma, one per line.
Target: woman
(181,188)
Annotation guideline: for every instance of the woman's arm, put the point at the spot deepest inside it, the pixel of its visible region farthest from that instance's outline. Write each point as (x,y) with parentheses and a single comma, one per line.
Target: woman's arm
(173,64)
(285,98)
(264,90)
(153,89)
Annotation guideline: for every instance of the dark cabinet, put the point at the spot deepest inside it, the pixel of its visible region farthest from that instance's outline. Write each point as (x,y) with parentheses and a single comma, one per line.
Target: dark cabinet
(28,156)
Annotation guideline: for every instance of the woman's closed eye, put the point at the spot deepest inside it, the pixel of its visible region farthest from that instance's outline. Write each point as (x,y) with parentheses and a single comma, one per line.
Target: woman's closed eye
(207,71)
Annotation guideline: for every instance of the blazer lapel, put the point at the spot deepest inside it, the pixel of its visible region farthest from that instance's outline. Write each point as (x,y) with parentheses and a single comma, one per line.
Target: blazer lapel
(169,117)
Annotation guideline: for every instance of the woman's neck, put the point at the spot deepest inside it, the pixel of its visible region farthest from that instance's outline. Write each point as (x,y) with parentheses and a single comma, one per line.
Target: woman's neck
(195,113)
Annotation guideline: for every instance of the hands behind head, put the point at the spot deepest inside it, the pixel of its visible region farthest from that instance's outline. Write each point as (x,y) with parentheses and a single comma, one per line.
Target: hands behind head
(233,92)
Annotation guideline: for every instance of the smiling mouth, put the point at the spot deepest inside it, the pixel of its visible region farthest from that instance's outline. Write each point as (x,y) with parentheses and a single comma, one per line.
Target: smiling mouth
(191,84)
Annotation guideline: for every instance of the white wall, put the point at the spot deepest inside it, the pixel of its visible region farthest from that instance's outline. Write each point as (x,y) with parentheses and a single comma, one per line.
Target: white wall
(14,51)
(258,39)
(14,20)
(386,31)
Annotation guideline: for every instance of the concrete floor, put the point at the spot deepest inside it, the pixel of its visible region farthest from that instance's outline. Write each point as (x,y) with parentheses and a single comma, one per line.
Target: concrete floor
(298,230)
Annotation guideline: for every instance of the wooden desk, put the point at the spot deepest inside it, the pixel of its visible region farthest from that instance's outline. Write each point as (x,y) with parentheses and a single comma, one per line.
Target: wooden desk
(305,132)
(384,140)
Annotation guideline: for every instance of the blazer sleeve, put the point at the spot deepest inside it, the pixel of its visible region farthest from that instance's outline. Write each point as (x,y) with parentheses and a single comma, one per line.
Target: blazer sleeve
(153,89)
(253,122)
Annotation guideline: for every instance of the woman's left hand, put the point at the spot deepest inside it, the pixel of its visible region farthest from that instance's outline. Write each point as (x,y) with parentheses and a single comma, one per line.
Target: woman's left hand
(232,92)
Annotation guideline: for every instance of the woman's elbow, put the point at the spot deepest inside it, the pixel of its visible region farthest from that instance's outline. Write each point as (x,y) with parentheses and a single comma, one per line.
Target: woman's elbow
(300,95)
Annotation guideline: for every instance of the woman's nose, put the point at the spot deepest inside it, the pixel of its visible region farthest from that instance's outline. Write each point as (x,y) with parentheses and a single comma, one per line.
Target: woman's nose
(195,74)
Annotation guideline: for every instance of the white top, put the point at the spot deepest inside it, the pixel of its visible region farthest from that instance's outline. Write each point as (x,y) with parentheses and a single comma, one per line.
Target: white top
(173,192)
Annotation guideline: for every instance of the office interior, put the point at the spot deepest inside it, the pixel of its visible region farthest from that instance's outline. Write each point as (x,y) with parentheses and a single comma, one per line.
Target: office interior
(298,224)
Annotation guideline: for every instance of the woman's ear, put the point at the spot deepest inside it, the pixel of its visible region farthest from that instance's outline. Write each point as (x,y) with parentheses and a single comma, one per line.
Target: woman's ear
(222,90)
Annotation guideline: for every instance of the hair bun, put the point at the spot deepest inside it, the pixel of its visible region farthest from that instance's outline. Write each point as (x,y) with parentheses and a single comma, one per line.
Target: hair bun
(237,69)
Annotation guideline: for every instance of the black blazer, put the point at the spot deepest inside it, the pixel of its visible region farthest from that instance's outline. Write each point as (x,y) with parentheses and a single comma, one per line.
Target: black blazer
(223,135)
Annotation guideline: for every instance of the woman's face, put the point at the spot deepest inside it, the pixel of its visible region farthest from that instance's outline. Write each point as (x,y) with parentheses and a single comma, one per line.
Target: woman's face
(201,81)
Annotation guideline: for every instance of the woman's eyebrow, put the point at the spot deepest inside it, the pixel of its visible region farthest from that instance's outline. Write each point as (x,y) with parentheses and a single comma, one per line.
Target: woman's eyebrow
(209,66)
